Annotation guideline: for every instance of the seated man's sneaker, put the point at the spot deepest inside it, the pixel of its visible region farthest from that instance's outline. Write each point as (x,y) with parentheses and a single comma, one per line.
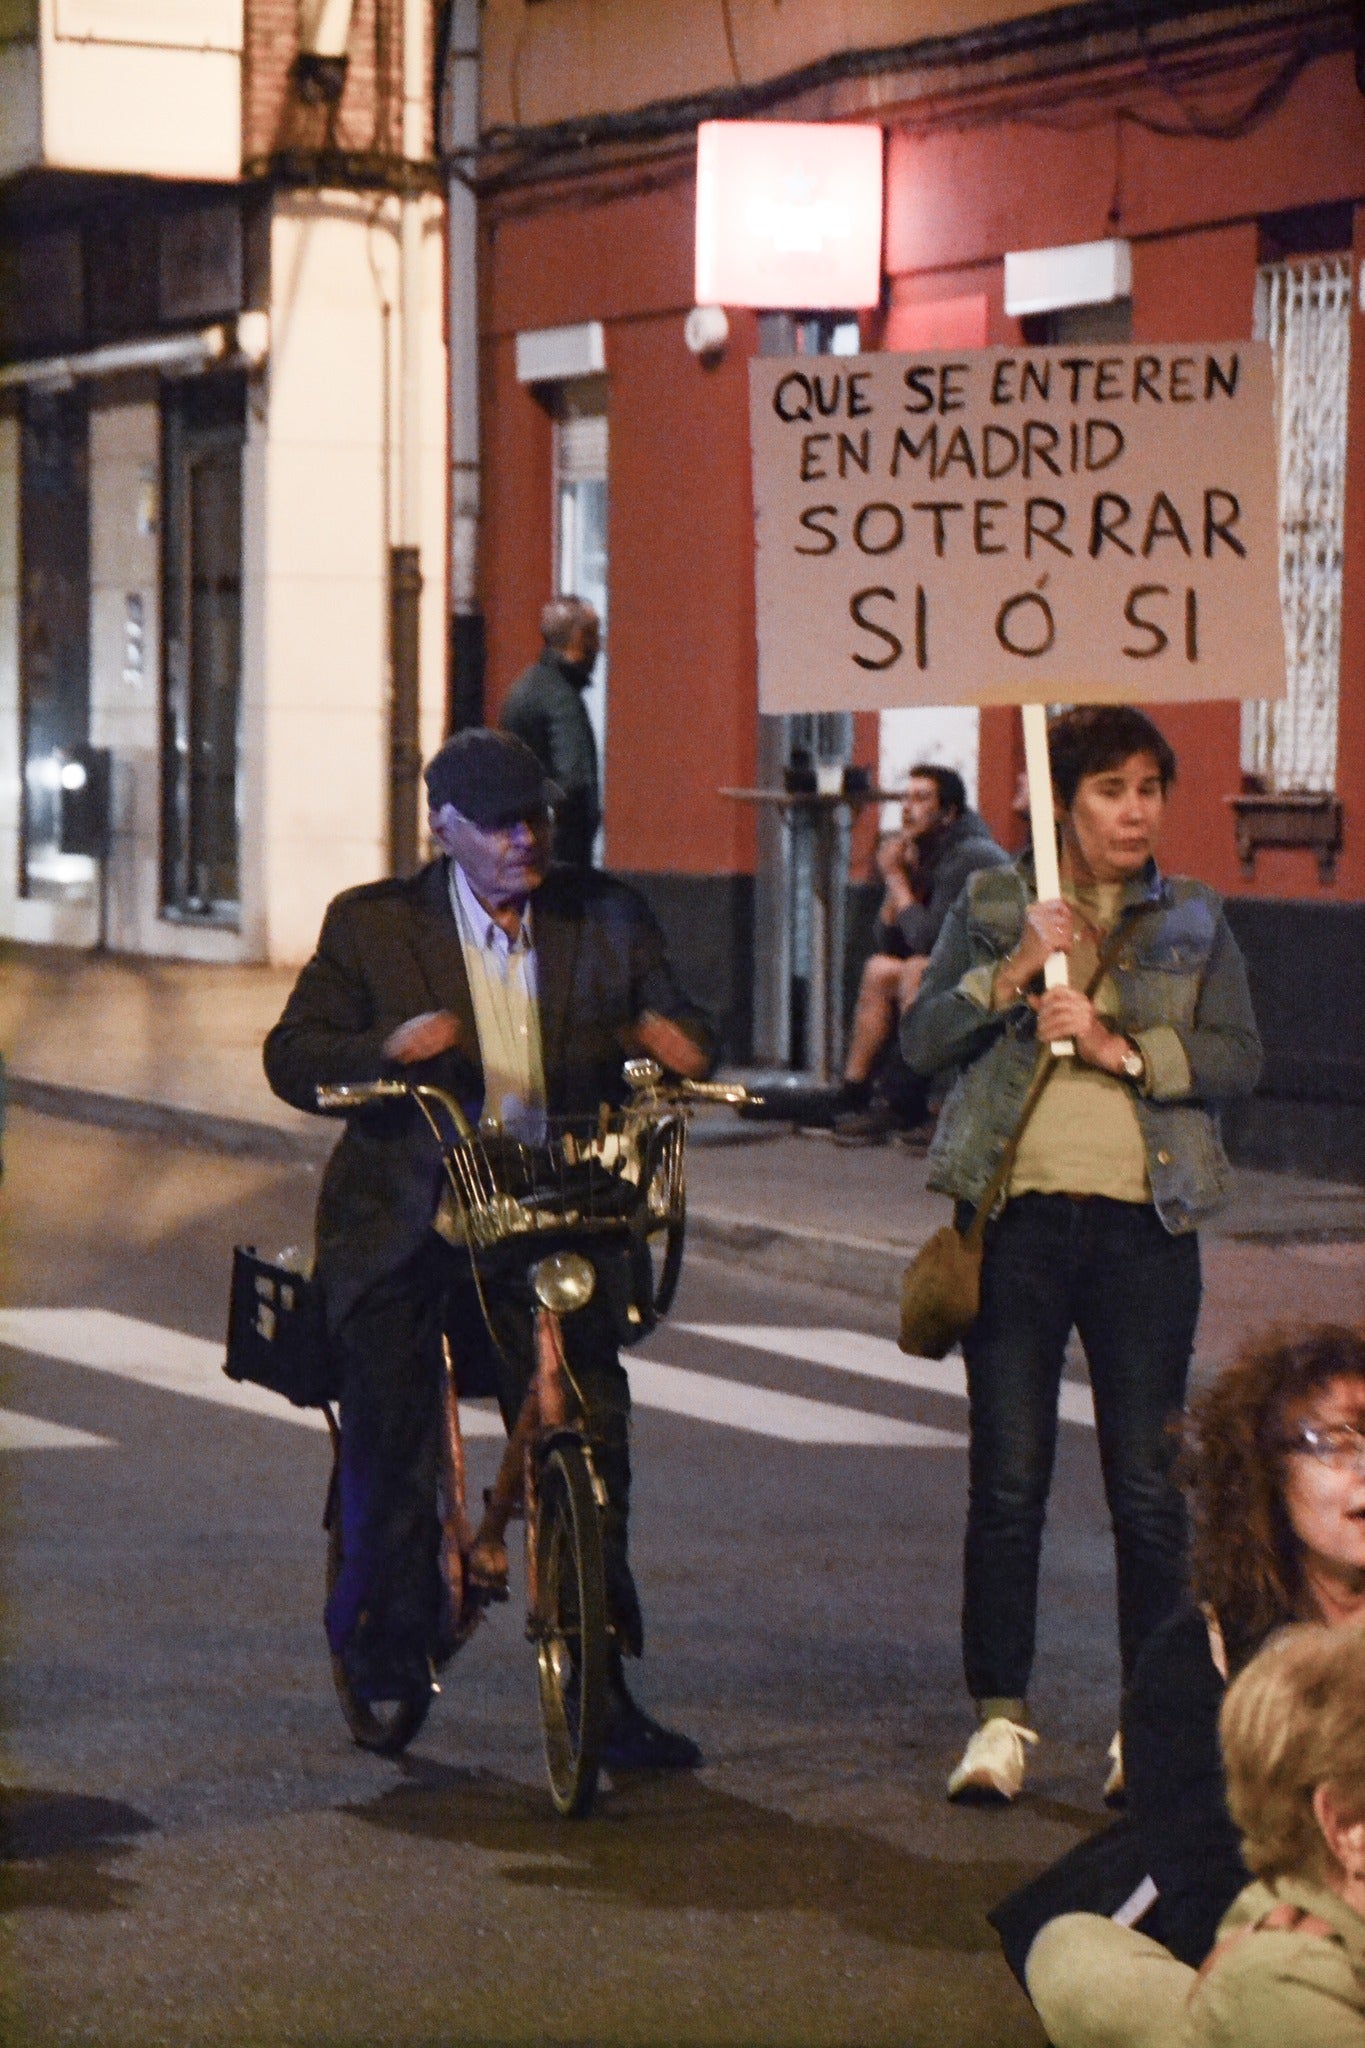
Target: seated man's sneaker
(992,1768)
(1115,1787)
(635,1741)
(872,1125)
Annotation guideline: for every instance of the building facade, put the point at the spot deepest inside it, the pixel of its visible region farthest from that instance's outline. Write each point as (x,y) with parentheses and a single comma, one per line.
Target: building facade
(1215,154)
(223,425)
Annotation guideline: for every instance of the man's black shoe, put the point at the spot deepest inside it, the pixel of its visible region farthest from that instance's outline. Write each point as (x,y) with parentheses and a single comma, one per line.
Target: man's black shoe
(635,1741)
(378,1670)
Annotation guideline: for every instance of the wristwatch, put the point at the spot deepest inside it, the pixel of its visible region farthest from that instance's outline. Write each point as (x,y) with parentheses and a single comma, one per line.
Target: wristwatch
(1132,1065)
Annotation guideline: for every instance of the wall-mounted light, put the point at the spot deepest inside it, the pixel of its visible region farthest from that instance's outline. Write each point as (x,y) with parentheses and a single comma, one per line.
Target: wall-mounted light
(706,331)
(252,336)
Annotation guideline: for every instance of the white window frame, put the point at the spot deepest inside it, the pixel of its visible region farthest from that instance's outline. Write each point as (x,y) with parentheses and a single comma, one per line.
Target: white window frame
(1303,308)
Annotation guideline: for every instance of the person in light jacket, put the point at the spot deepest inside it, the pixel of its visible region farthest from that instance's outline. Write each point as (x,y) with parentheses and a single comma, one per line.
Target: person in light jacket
(1118,1164)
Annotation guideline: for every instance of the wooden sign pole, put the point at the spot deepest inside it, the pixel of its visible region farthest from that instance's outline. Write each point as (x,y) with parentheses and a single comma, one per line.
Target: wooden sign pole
(1040,803)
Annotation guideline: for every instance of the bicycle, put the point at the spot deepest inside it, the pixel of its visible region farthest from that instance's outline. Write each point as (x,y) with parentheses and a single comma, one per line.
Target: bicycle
(621,1180)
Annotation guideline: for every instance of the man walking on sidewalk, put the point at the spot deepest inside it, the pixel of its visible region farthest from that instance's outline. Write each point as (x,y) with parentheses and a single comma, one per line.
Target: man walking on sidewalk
(545,709)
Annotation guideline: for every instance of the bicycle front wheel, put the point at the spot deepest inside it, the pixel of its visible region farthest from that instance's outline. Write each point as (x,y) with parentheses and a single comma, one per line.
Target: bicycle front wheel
(569,1625)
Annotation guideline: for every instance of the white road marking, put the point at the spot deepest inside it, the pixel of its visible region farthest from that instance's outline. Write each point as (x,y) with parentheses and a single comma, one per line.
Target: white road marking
(875,1358)
(154,1356)
(31,1433)
(175,1363)
(791,1417)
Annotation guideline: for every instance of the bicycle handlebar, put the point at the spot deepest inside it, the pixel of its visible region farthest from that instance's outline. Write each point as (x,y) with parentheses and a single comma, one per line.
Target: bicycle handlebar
(345,1095)
(646,1078)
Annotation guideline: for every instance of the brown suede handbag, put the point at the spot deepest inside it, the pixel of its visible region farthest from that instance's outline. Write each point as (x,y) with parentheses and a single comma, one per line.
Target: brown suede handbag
(941,1287)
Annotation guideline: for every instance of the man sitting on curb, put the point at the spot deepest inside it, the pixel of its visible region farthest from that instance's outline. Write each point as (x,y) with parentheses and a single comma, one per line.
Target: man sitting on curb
(924,867)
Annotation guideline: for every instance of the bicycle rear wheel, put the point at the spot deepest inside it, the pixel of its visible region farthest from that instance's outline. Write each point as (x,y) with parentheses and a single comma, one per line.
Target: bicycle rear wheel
(569,1625)
(384,1726)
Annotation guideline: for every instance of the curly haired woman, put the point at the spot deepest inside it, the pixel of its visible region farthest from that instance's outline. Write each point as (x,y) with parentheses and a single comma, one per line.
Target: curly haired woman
(1274,1471)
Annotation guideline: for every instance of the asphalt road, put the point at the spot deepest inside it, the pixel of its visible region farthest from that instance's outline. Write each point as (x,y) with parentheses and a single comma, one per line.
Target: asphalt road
(196,1854)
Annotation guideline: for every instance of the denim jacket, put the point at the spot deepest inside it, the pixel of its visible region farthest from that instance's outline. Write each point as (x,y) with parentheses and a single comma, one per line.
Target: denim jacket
(1182,998)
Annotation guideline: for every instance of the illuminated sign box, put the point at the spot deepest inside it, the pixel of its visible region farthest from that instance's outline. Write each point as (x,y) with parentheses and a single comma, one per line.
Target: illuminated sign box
(789,214)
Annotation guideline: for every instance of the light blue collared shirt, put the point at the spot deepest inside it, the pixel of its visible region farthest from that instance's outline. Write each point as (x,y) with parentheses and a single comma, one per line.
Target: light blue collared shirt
(503,986)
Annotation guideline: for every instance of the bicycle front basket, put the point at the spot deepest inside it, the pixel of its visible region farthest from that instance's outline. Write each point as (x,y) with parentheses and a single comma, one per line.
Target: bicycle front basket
(277,1332)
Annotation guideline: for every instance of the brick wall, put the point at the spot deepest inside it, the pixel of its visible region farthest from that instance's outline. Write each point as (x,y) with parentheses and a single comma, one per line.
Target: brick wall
(367,121)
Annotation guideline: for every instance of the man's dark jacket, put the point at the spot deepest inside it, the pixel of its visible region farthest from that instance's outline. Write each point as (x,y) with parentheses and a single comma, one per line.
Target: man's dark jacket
(545,708)
(391,950)
(951,856)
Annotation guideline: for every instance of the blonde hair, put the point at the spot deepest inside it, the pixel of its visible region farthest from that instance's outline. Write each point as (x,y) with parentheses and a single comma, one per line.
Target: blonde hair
(1294,1720)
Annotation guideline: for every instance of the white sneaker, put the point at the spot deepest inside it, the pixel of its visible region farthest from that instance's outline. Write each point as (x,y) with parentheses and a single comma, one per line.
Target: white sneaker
(992,1766)
(1115,1786)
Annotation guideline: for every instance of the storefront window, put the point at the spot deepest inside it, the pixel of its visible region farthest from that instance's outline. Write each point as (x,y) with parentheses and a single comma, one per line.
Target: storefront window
(203,436)
(54,632)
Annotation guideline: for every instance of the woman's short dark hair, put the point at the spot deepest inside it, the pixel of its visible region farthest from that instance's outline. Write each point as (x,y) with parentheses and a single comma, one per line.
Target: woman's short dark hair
(1096,737)
(1244,1556)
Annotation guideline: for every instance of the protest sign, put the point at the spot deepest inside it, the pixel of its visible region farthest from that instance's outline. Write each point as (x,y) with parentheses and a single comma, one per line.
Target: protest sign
(1016,526)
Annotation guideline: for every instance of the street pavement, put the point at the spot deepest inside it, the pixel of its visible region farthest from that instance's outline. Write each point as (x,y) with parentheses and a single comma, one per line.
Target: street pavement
(196,1854)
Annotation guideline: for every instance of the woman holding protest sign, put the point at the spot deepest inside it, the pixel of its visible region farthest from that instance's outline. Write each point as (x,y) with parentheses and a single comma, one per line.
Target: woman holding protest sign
(1116,1165)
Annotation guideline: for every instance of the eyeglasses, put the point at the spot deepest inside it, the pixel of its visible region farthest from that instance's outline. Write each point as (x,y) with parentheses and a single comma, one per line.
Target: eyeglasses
(1338,1445)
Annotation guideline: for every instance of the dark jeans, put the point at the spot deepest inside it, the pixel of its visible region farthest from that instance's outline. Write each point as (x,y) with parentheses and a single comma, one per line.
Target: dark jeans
(389,1351)
(1113,1272)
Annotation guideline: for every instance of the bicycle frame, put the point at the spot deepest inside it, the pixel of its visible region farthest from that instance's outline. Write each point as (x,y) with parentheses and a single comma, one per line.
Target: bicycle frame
(625,1180)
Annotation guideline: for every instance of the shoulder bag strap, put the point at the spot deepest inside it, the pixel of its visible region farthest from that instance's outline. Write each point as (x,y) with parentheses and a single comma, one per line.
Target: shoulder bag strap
(1118,936)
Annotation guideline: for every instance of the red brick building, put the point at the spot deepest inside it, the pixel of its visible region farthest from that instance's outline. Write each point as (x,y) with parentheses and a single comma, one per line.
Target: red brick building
(1222,147)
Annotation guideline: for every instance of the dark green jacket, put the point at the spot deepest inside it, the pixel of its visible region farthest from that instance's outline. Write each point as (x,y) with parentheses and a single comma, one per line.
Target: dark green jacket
(545,709)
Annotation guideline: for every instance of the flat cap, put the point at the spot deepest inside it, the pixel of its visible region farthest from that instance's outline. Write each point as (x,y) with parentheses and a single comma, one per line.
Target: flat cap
(492,778)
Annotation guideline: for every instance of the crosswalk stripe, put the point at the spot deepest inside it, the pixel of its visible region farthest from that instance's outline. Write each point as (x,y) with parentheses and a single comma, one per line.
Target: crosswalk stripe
(168,1360)
(173,1362)
(791,1417)
(32,1433)
(875,1358)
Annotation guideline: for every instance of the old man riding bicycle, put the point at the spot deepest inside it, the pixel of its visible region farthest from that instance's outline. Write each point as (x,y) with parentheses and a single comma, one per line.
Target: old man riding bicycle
(520,988)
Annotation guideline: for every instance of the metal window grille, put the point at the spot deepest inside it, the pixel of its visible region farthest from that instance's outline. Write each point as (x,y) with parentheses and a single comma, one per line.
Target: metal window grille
(1303,309)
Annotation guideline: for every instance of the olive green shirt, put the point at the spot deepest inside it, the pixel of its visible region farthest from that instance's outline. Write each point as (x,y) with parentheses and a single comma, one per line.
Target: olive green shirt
(1083,1137)
(1283,1990)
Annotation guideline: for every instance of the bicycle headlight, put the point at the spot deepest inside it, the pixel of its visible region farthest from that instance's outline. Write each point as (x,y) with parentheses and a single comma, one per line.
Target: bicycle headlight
(563,1282)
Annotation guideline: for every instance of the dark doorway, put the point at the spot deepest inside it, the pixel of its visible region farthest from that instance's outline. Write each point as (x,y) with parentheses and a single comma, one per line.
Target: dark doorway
(204,431)
(54,632)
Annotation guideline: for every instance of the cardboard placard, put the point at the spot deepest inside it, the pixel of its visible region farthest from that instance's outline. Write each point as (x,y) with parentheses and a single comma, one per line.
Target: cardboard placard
(1013,526)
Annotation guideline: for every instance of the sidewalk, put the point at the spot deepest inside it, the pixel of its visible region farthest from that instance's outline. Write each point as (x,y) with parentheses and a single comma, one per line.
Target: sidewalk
(175,1046)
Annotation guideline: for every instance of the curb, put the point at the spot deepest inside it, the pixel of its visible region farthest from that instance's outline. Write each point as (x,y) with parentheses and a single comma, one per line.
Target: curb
(240,1136)
(783,1251)
(815,1258)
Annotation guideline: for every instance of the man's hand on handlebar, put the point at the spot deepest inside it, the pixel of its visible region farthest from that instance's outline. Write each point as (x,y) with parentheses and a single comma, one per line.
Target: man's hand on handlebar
(423,1038)
(669,1044)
